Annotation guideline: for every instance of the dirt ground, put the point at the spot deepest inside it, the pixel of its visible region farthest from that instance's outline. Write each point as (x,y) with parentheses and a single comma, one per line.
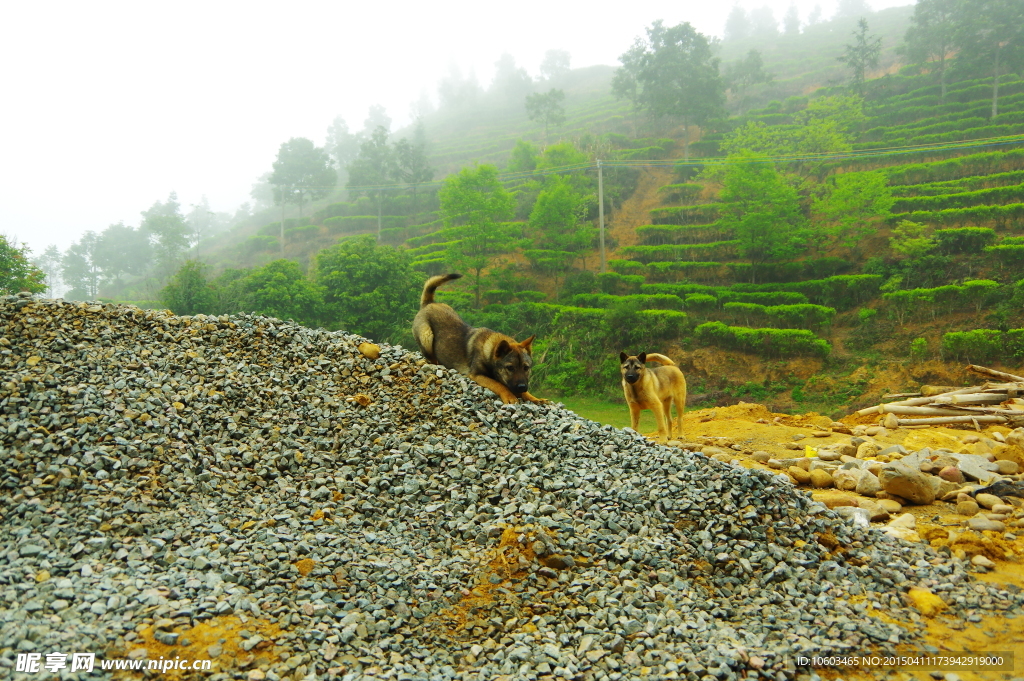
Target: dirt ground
(754,428)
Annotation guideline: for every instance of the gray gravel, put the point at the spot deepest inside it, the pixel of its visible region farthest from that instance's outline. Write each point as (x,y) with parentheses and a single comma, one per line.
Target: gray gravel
(164,472)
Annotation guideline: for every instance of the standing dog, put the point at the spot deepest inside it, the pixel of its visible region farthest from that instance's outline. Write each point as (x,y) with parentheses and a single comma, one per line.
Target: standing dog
(655,389)
(492,359)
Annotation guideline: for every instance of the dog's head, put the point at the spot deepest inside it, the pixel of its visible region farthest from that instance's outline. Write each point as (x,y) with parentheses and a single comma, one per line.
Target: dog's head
(512,364)
(632,367)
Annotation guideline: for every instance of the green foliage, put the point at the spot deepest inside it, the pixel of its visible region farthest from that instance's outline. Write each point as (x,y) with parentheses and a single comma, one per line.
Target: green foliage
(828,124)
(850,204)
(548,108)
(523,158)
(800,316)
(189,291)
(302,171)
(474,206)
(279,289)
(866,314)
(368,288)
(700,301)
(764,342)
(964,239)
(914,303)
(863,54)
(173,235)
(980,345)
(763,211)
(17,273)
(619,284)
(919,349)
(741,75)
(910,240)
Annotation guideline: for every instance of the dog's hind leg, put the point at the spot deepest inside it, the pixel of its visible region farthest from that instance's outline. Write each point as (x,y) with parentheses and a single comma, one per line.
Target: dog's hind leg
(670,425)
(661,414)
(425,337)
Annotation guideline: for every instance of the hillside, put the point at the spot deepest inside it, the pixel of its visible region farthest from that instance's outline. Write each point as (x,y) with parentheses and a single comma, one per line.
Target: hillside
(840,300)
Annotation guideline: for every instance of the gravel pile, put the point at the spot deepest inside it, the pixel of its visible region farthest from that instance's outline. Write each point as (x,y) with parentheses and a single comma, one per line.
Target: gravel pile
(372,516)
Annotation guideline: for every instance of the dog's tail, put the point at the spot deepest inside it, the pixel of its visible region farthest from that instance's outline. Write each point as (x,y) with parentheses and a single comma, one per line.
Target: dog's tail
(431,286)
(659,359)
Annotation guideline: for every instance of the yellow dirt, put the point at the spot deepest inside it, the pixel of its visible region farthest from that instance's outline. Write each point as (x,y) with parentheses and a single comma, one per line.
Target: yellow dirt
(754,427)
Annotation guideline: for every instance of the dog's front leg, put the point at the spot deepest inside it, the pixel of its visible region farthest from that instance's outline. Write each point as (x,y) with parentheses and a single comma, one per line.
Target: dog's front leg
(497,388)
(535,400)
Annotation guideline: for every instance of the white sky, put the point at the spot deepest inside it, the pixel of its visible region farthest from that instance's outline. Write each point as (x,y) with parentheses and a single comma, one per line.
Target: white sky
(110,106)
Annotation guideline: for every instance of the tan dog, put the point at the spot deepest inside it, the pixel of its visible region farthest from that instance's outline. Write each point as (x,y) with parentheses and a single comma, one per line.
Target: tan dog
(655,389)
(492,359)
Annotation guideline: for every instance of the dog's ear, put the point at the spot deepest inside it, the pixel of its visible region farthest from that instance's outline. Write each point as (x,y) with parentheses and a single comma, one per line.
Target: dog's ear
(502,349)
(622,357)
(528,343)
(642,357)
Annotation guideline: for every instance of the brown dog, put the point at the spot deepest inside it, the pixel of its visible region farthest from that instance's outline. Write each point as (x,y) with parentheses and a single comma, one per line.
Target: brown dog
(492,359)
(655,389)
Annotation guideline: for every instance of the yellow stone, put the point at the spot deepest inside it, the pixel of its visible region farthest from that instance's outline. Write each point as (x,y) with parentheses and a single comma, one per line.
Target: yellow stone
(369,350)
(179,406)
(33,360)
(927,603)
(42,576)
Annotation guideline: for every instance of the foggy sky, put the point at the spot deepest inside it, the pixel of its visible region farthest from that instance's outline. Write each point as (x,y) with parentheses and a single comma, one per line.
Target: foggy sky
(109,106)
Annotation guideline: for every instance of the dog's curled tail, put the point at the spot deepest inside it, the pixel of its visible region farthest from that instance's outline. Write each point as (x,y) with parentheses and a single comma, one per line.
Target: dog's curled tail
(431,286)
(660,359)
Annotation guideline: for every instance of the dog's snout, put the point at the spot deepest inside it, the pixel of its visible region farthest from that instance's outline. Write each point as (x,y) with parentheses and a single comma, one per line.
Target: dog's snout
(520,388)
(632,378)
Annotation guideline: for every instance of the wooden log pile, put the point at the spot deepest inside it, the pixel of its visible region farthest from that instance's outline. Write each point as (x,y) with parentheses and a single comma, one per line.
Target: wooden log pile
(1000,400)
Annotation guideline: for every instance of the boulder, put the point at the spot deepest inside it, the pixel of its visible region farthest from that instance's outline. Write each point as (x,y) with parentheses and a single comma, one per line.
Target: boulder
(908,483)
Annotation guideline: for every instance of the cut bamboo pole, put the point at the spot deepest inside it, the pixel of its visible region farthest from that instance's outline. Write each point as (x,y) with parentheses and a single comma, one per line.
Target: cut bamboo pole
(985,371)
(941,420)
(970,398)
(919,411)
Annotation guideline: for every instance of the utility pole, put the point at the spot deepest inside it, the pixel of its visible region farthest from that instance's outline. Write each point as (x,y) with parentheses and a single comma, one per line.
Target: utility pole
(600,213)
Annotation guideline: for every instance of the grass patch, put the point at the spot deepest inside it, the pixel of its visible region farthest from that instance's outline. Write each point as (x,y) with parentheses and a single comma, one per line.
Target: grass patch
(603,411)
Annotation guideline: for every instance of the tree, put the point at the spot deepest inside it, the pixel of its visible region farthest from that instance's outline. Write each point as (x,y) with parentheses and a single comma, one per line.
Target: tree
(862,55)
(49,263)
(764,27)
(510,81)
(173,235)
(457,92)
(791,21)
(79,268)
(523,158)
(368,289)
(474,206)
(372,169)
(740,76)
(853,8)
(737,25)
(548,108)
(558,228)
(122,250)
(279,289)
(301,171)
(411,166)
(376,117)
(991,32)
(189,292)
(850,204)
(911,240)
(342,145)
(931,35)
(17,273)
(555,64)
(763,210)
(626,79)
(679,77)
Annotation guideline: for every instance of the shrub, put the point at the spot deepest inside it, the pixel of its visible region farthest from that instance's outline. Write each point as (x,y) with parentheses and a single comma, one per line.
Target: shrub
(764,342)
(964,239)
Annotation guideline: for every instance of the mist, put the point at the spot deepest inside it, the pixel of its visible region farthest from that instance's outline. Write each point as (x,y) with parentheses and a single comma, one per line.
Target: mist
(113,107)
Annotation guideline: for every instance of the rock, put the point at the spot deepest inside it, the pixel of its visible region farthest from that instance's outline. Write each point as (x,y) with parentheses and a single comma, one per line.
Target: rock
(875,431)
(868,484)
(820,478)
(906,520)
(867,450)
(987,500)
(907,483)
(952,474)
(925,602)
(857,516)
(890,505)
(980,523)
(1006,467)
(982,561)
(799,474)
(834,499)
(847,478)
(1005,509)
(967,508)
(761,457)
(829,454)
(891,450)
(369,350)
(885,496)
(874,510)
(891,421)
